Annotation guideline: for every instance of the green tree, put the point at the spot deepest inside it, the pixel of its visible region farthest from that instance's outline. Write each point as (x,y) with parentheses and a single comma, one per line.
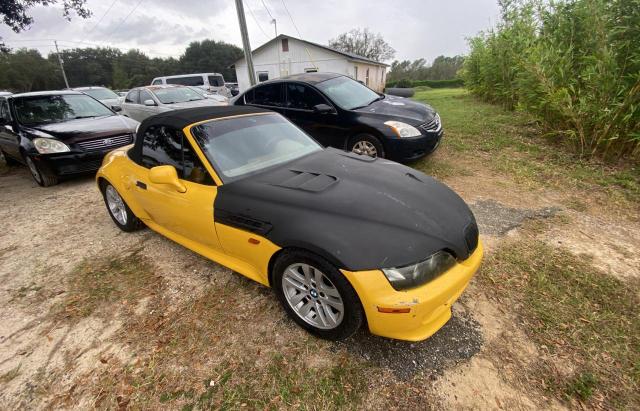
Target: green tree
(15,13)
(365,43)
(210,56)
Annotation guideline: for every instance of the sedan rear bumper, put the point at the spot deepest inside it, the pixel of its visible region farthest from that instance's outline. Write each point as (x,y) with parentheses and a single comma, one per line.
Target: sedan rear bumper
(429,306)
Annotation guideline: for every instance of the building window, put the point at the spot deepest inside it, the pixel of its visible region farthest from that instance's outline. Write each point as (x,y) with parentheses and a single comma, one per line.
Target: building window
(285,44)
(355,72)
(366,78)
(311,70)
(263,76)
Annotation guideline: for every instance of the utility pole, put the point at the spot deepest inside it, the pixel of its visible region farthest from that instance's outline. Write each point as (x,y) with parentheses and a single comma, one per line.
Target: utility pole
(245,41)
(61,64)
(275,25)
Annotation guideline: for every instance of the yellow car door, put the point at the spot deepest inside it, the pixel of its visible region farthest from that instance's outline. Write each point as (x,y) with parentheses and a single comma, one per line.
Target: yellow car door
(185,217)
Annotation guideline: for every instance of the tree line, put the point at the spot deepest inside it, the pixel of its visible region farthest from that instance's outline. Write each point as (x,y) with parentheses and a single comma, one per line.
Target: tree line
(27,70)
(574,64)
(408,72)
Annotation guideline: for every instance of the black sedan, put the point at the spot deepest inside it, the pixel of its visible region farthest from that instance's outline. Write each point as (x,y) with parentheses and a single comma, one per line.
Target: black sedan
(59,133)
(340,112)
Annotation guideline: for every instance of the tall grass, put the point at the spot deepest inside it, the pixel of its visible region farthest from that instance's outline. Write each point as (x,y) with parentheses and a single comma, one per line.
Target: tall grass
(575,64)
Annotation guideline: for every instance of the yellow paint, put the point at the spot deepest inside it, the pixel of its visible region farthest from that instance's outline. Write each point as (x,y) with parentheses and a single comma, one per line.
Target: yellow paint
(430,304)
(187,217)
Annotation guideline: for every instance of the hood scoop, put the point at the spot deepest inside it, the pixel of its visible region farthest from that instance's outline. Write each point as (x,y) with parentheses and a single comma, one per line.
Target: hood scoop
(307,181)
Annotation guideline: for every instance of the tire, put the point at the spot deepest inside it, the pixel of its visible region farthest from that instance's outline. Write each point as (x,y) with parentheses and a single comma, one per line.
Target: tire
(118,210)
(366,144)
(41,173)
(316,308)
(10,161)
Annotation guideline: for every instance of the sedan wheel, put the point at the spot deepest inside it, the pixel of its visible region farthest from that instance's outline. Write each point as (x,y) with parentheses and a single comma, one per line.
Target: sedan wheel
(366,145)
(365,148)
(316,295)
(41,173)
(312,296)
(34,171)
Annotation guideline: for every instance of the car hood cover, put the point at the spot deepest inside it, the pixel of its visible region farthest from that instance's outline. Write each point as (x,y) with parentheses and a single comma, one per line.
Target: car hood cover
(401,109)
(74,131)
(358,212)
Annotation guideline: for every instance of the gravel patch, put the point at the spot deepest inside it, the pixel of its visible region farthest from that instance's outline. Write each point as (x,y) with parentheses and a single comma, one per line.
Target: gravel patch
(497,219)
(460,339)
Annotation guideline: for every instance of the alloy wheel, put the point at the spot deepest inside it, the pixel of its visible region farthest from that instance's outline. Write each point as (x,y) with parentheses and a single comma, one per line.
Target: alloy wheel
(365,147)
(116,205)
(312,296)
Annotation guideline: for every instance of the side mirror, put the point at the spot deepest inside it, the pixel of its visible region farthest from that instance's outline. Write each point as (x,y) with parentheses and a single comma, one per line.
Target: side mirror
(149,102)
(167,175)
(116,108)
(322,109)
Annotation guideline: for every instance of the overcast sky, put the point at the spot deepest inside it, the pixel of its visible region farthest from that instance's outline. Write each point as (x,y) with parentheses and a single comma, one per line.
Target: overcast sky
(162,28)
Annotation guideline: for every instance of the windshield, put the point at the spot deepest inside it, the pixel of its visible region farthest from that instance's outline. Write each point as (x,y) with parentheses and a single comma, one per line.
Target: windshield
(243,145)
(348,93)
(216,81)
(101,93)
(177,95)
(57,108)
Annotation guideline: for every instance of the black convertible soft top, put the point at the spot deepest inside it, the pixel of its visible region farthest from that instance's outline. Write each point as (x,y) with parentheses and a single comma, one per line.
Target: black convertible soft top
(179,119)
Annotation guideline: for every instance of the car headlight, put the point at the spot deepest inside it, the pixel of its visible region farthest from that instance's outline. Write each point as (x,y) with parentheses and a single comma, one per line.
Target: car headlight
(403,129)
(49,146)
(421,273)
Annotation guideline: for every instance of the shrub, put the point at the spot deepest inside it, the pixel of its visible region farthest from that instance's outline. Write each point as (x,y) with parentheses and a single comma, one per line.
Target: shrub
(575,64)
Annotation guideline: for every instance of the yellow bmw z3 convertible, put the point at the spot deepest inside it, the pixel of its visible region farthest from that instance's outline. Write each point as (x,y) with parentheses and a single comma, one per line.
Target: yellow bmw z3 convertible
(343,239)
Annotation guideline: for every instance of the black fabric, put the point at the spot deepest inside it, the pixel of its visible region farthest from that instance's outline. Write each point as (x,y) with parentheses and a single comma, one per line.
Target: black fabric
(356,212)
(179,119)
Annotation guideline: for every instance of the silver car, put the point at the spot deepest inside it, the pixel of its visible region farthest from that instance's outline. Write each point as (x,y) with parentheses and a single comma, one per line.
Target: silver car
(103,95)
(143,102)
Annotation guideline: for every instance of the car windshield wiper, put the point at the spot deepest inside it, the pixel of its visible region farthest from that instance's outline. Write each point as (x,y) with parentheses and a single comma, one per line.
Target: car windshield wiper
(369,103)
(77,117)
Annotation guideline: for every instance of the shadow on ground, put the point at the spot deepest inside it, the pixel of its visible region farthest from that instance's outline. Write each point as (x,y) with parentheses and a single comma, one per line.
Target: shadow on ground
(460,339)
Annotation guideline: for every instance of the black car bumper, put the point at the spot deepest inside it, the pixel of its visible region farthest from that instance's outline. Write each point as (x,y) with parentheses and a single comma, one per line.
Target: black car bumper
(73,162)
(409,149)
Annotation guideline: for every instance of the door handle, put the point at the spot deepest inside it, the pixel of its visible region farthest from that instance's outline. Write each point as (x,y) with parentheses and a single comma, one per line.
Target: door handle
(141,185)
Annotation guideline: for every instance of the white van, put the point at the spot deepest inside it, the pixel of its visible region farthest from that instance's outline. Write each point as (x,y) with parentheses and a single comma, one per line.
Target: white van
(211,82)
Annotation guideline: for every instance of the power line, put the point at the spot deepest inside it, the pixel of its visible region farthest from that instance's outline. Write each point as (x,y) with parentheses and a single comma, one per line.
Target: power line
(125,19)
(299,35)
(103,16)
(266,8)
(258,24)
(291,18)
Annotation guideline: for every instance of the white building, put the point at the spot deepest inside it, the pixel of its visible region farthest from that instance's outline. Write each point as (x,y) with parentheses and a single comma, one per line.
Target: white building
(286,55)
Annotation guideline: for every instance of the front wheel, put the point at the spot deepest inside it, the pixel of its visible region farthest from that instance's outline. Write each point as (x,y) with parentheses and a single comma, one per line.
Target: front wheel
(41,173)
(366,144)
(316,295)
(119,211)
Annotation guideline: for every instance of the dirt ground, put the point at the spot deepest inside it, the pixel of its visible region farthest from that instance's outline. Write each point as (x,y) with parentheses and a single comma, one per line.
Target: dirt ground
(474,362)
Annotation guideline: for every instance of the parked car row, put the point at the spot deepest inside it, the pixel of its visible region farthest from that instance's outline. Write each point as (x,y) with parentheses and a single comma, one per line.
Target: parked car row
(334,109)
